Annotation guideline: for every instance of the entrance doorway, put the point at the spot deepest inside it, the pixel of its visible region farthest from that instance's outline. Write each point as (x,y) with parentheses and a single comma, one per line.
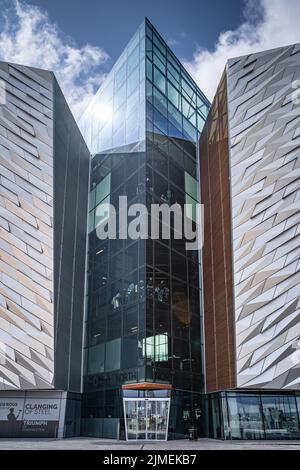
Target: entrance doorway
(146,418)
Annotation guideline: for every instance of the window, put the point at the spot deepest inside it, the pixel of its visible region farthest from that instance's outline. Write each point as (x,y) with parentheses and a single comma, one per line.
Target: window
(96,359)
(280,417)
(133,81)
(91,222)
(160,121)
(158,43)
(92,196)
(191,185)
(129,352)
(191,208)
(132,60)
(173,95)
(200,122)
(112,355)
(159,60)
(189,131)
(245,418)
(120,96)
(175,117)
(160,102)
(149,69)
(159,80)
(188,91)
(173,74)
(155,348)
(103,189)
(102,211)
(120,76)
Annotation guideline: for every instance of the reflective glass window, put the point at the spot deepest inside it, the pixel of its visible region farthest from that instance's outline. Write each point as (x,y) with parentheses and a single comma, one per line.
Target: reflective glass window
(158,43)
(148,45)
(149,69)
(133,60)
(188,91)
(96,359)
(245,418)
(129,352)
(173,74)
(103,189)
(160,121)
(191,208)
(133,81)
(191,185)
(120,76)
(92,199)
(280,417)
(159,101)
(112,355)
(159,80)
(133,44)
(181,355)
(102,211)
(160,162)
(177,173)
(175,116)
(120,97)
(91,221)
(174,95)
(189,131)
(200,122)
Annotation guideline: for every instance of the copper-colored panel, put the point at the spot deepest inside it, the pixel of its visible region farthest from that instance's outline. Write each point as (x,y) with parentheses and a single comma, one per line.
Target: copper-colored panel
(146,386)
(217,251)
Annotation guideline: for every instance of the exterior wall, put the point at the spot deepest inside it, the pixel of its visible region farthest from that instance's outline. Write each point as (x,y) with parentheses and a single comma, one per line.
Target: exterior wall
(43,216)
(26,234)
(71,179)
(264,165)
(217,252)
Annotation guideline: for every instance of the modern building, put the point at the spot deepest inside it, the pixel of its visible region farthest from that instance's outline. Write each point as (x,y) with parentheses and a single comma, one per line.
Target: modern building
(44,175)
(143,336)
(249,167)
(139,337)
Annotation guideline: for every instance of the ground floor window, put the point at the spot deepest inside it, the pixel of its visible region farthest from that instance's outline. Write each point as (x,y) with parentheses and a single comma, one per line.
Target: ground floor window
(238,415)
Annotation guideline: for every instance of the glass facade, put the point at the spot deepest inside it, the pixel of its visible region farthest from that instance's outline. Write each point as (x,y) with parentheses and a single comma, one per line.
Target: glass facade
(143,300)
(268,415)
(116,116)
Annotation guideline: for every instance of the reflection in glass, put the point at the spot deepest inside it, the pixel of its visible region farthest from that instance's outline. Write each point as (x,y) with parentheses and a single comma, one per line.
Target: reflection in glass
(280,417)
(245,418)
(146,418)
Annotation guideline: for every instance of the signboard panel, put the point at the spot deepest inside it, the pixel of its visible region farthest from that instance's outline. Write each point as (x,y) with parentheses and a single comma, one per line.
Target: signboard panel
(29,417)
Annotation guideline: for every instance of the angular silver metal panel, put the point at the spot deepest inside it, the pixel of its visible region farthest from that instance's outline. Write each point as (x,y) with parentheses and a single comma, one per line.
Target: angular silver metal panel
(264,124)
(26,228)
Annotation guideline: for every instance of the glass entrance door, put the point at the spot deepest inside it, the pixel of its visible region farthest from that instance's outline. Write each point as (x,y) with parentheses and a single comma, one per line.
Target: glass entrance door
(146,418)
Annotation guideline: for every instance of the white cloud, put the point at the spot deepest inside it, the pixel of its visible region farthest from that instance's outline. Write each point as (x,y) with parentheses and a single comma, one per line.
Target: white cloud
(28,37)
(268,24)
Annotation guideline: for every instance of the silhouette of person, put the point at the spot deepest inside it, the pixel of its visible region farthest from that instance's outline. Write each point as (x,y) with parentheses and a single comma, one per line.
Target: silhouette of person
(13,423)
(11,417)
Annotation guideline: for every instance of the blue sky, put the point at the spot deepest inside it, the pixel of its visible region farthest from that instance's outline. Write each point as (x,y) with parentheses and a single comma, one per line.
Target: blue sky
(79,40)
(111,23)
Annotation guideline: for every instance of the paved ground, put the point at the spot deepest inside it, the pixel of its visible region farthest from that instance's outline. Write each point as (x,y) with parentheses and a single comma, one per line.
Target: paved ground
(106,444)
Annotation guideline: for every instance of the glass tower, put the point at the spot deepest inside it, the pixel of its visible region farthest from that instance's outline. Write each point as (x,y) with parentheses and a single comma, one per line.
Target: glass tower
(143,375)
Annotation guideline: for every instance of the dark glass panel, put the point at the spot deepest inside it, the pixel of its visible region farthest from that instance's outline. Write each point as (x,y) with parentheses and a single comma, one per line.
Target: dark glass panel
(181,355)
(245,418)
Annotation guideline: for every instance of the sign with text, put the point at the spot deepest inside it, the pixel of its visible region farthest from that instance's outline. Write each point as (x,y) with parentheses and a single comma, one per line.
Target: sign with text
(29,417)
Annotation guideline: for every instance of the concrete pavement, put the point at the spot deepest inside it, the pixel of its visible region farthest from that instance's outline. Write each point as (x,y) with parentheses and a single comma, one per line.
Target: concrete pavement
(85,443)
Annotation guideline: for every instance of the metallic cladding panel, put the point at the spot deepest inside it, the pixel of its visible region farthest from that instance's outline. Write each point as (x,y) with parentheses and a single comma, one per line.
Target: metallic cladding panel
(264,127)
(26,228)
(71,175)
